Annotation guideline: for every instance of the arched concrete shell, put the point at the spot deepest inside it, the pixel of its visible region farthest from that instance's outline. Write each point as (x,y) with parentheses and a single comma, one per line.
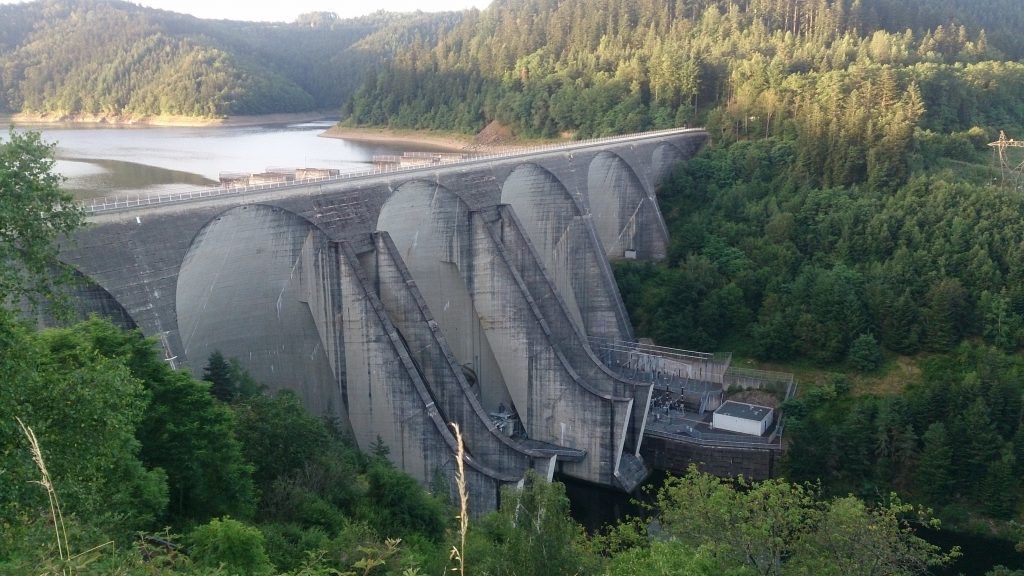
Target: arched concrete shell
(468,281)
(664,157)
(618,203)
(429,226)
(390,402)
(455,396)
(86,298)
(569,250)
(240,291)
(557,229)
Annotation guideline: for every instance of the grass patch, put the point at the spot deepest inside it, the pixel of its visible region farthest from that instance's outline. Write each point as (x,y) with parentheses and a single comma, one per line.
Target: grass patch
(891,379)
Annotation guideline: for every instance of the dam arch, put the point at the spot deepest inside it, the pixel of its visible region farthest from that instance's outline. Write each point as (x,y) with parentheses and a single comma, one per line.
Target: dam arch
(664,158)
(342,285)
(429,226)
(554,223)
(619,203)
(245,289)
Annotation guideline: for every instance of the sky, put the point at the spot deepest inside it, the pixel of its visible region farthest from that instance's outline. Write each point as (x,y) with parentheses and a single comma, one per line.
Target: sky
(276,11)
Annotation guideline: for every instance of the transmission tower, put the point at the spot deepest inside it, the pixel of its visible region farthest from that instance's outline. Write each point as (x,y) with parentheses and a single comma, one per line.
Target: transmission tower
(1013,173)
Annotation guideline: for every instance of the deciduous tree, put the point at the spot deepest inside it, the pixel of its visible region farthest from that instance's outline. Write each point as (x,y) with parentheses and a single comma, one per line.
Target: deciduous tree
(35,217)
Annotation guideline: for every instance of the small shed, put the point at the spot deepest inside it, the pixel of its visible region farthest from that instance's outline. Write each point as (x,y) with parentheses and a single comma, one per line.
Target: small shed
(743,418)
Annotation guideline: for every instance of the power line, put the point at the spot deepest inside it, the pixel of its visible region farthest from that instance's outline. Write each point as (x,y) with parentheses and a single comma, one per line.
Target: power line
(1013,174)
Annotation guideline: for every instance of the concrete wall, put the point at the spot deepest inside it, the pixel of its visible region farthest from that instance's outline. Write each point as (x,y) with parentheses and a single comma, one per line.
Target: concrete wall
(621,206)
(568,336)
(456,398)
(240,292)
(459,308)
(559,407)
(566,243)
(676,454)
(388,399)
(429,227)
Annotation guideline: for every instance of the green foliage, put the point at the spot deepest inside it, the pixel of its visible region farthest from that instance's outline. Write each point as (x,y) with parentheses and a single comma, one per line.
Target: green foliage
(36,214)
(185,432)
(235,548)
(531,535)
(228,380)
(278,436)
(865,355)
(948,441)
(853,79)
(852,539)
(400,506)
(131,444)
(1004,571)
(84,408)
(936,474)
(774,527)
(288,545)
(758,527)
(190,435)
(810,270)
(673,557)
(218,374)
(91,57)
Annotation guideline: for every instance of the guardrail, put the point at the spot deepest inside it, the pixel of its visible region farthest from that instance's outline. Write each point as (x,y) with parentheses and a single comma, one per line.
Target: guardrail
(699,438)
(127,201)
(651,349)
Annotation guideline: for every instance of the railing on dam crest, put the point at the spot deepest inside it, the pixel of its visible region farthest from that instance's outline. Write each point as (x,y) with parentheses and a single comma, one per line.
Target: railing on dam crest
(133,200)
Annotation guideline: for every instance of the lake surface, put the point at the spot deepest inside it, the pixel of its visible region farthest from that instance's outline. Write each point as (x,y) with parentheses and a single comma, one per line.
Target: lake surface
(112,161)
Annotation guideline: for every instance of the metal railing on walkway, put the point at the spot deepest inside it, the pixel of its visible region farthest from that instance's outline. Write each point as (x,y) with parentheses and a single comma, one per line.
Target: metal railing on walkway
(127,201)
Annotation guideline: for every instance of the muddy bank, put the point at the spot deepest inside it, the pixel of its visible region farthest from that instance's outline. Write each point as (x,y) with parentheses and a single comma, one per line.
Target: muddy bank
(434,141)
(98,120)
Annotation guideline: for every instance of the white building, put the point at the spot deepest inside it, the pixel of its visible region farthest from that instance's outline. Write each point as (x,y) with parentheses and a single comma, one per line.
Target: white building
(743,418)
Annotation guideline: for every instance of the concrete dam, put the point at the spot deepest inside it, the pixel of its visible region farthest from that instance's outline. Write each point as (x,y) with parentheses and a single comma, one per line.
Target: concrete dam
(401,302)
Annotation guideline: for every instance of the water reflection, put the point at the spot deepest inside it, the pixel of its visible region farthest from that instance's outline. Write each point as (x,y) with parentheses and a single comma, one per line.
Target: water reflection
(112,161)
(89,178)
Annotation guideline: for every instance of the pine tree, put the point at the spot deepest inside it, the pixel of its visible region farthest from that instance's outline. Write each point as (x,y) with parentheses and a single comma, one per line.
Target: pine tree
(1001,491)
(980,446)
(218,374)
(935,466)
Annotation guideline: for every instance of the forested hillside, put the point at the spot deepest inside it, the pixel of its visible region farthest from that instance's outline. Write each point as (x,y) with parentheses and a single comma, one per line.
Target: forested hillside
(111,58)
(594,67)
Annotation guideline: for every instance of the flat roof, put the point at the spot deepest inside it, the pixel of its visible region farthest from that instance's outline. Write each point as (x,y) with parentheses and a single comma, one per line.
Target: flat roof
(744,410)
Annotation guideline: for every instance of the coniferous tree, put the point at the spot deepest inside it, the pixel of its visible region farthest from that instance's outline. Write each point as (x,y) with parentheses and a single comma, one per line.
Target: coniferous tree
(1001,488)
(979,447)
(218,373)
(935,473)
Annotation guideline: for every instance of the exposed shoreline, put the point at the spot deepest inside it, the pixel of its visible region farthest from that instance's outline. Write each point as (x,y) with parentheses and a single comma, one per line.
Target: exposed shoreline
(114,121)
(438,141)
(421,140)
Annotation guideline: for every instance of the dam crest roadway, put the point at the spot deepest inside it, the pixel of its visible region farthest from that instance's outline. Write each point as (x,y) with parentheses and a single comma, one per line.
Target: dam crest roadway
(477,292)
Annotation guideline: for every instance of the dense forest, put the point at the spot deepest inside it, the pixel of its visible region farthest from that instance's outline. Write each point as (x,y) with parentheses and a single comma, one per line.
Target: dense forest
(750,66)
(844,221)
(111,58)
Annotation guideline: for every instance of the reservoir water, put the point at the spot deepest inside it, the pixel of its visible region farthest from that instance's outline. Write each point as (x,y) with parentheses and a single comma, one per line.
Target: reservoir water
(114,161)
